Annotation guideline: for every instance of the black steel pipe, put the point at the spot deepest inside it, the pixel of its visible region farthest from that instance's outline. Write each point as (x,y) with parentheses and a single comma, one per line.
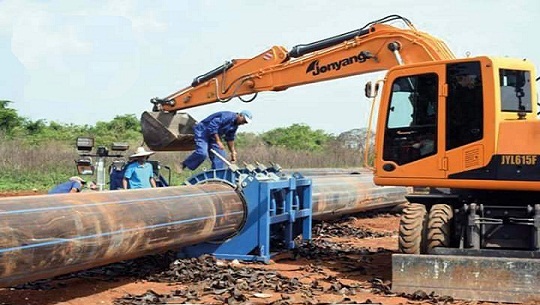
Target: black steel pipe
(313,172)
(48,235)
(335,196)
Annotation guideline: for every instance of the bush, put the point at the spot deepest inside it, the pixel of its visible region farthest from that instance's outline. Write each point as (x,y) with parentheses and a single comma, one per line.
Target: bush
(297,137)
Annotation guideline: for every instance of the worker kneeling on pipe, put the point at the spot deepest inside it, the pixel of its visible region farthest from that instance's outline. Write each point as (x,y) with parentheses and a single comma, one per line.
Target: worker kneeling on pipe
(208,134)
(74,184)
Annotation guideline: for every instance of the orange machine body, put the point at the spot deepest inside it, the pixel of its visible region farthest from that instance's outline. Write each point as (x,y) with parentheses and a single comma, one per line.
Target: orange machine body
(501,149)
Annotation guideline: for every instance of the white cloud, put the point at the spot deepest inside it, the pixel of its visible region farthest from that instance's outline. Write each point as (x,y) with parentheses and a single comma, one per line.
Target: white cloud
(39,36)
(142,20)
(8,13)
(47,32)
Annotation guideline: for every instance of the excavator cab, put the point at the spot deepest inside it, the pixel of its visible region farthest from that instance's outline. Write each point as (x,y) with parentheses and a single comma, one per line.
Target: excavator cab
(448,123)
(168,131)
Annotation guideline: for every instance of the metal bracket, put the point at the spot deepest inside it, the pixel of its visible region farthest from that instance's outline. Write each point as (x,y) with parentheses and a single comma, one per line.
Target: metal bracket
(275,206)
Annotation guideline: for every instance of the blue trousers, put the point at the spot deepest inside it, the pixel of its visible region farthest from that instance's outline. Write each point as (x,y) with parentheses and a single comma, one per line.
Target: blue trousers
(202,151)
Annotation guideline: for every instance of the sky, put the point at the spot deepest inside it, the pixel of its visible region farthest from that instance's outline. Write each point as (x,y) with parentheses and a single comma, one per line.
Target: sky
(80,62)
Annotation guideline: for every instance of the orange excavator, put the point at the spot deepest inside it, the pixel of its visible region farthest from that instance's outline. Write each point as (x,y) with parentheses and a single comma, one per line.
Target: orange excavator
(464,130)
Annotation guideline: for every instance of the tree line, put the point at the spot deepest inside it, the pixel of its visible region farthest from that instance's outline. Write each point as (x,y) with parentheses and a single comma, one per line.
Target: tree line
(127,128)
(37,154)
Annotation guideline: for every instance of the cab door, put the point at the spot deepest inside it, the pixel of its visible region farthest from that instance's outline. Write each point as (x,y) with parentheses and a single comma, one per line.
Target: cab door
(413,139)
(465,117)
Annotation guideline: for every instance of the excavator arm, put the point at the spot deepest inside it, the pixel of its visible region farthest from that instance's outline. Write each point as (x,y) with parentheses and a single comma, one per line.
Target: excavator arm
(375,47)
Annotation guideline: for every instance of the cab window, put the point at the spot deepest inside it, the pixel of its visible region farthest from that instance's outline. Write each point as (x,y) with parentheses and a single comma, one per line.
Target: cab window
(464,104)
(411,126)
(515,90)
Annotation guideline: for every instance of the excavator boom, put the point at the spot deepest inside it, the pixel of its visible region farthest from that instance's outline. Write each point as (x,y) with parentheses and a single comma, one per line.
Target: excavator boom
(375,47)
(276,69)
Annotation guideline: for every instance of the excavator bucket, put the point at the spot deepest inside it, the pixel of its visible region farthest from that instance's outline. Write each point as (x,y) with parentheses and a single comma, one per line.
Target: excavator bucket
(165,131)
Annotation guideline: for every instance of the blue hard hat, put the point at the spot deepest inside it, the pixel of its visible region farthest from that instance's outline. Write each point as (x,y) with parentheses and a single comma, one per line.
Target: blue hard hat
(247,115)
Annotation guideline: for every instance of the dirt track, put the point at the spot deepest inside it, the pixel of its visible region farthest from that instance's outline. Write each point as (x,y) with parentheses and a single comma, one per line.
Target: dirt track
(352,268)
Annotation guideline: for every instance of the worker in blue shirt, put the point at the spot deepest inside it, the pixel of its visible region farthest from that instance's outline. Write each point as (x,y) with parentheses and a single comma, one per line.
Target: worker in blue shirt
(73,185)
(139,173)
(208,134)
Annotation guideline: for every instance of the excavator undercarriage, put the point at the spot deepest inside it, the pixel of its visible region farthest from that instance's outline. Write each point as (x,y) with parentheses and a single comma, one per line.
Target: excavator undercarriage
(455,244)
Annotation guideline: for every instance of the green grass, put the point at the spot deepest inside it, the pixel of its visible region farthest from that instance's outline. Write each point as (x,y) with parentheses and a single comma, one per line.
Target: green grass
(40,167)
(28,180)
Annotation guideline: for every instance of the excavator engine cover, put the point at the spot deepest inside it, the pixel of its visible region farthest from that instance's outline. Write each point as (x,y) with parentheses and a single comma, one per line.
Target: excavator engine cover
(168,131)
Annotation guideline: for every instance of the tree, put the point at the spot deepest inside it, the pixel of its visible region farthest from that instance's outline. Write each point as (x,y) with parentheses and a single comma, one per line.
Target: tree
(126,123)
(248,139)
(297,137)
(9,119)
(122,128)
(35,127)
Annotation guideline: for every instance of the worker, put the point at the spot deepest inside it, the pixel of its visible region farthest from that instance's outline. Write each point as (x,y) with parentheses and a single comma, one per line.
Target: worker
(425,145)
(208,134)
(139,173)
(466,80)
(464,105)
(73,185)
(90,186)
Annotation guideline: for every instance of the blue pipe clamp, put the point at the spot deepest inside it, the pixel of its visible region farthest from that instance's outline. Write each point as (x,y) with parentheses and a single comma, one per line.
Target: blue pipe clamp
(277,207)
